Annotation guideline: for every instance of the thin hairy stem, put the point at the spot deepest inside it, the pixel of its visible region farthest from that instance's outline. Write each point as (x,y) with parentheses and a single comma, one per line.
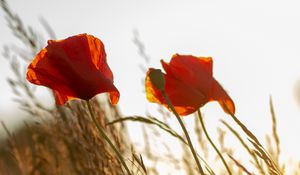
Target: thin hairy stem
(185,131)
(105,137)
(211,142)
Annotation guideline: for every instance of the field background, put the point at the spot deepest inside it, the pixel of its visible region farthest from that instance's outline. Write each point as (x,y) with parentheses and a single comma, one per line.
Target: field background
(255,46)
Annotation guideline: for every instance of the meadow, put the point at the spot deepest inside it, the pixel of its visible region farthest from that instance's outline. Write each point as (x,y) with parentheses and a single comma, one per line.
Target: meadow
(68,139)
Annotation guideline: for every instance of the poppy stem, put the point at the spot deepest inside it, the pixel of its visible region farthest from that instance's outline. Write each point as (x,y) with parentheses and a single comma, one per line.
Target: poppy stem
(184,130)
(256,142)
(105,137)
(211,142)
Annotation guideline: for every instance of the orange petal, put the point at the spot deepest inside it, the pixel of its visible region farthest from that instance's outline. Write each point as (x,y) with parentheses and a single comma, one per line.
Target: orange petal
(220,95)
(42,71)
(98,56)
(184,98)
(189,85)
(114,96)
(195,71)
(61,99)
(201,65)
(74,67)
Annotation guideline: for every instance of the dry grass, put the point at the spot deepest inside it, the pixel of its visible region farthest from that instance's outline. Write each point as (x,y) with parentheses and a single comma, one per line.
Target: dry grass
(63,147)
(63,140)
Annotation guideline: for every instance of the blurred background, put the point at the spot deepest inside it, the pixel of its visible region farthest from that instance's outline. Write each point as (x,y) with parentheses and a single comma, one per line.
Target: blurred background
(254,45)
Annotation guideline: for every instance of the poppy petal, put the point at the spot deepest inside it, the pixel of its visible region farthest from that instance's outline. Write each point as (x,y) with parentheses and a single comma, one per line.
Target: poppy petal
(61,99)
(220,95)
(42,72)
(195,71)
(52,68)
(98,56)
(198,65)
(189,85)
(75,67)
(114,96)
(184,98)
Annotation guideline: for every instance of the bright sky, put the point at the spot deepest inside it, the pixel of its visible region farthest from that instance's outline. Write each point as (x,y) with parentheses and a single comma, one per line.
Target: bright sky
(254,44)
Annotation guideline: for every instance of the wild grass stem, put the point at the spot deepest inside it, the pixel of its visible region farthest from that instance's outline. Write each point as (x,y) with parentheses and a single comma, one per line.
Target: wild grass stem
(211,142)
(105,137)
(184,130)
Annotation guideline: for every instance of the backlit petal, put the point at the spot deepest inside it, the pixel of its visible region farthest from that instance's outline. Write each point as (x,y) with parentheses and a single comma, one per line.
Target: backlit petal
(98,56)
(184,98)
(220,95)
(195,71)
(75,67)
(189,85)
(61,98)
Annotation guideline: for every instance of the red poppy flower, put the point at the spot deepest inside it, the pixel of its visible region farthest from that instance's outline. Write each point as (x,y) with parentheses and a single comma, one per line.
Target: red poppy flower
(189,83)
(74,67)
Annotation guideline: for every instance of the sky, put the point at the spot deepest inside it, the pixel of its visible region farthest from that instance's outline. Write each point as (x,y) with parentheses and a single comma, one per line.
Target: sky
(254,45)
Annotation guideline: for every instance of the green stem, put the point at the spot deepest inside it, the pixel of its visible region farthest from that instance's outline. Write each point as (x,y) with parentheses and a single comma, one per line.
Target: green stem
(185,132)
(211,142)
(105,137)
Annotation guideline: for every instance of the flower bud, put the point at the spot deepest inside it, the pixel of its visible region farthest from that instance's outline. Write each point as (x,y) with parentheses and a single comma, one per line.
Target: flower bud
(157,78)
